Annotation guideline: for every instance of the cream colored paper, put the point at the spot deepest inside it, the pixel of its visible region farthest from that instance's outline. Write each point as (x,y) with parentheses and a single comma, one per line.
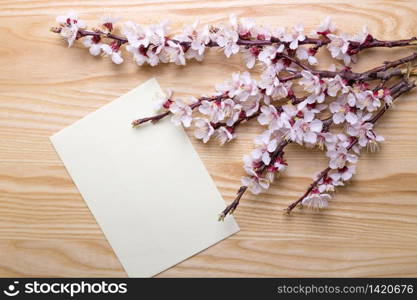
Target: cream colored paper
(147,187)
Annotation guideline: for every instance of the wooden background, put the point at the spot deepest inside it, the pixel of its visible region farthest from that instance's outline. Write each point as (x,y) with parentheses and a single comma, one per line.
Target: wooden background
(46,229)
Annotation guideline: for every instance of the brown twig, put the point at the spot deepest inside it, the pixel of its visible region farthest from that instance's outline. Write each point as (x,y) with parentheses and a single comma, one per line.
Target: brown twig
(160,116)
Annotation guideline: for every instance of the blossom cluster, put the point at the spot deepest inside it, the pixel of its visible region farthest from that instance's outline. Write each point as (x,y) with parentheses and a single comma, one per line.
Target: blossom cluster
(243,98)
(154,44)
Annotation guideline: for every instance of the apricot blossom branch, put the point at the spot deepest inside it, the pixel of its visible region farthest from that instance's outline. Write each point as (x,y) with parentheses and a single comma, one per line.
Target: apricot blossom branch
(334,109)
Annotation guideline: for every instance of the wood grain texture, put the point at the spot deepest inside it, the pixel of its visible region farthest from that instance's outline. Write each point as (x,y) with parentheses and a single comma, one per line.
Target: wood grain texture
(46,229)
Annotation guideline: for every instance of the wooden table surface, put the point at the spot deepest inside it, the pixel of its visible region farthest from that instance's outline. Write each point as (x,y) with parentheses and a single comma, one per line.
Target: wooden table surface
(46,228)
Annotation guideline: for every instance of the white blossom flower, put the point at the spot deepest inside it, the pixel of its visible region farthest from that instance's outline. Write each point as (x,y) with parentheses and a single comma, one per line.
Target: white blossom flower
(242,87)
(181,113)
(69,18)
(368,100)
(135,35)
(203,130)
(251,164)
(251,105)
(297,35)
(336,85)
(250,55)
(175,53)
(164,101)
(212,109)
(227,39)
(339,156)
(224,134)
(363,130)
(255,184)
(70,24)
(342,111)
(156,34)
(273,87)
(200,40)
(309,110)
(271,117)
(93,44)
(302,131)
(314,85)
(338,47)
(113,50)
(268,53)
(343,174)
(325,139)
(307,54)
(278,166)
(328,184)
(267,143)
(325,27)
(384,94)
(361,36)
(107,23)
(197,39)
(231,110)
(316,200)
(244,26)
